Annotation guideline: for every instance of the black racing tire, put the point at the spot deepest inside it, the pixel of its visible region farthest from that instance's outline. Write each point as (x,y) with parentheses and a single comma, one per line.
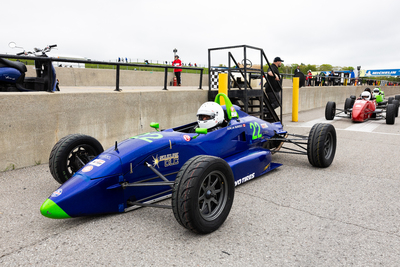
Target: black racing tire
(71,153)
(348,103)
(390,114)
(390,100)
(321,146)
(397,97)
(203,194)
(396,107)
(330,110)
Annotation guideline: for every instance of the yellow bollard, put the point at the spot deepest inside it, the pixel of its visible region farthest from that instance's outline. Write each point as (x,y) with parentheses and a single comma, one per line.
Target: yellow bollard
(295,99)
(345,82)
(222,86)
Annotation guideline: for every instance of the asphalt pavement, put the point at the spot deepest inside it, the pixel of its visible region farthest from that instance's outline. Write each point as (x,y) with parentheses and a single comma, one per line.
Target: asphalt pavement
(297,215)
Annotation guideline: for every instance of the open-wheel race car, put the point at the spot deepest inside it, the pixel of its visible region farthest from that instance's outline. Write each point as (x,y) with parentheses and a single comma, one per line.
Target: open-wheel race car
(364,108)
(198,167)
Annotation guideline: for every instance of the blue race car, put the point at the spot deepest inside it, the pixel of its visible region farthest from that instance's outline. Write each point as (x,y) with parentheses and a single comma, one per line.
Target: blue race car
(198,167)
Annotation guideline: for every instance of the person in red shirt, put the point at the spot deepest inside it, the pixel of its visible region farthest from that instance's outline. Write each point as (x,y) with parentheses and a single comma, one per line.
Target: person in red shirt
(309,77)
(177,63)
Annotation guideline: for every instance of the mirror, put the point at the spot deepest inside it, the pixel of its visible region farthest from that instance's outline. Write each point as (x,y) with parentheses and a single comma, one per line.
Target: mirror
(155,125)
(12,45)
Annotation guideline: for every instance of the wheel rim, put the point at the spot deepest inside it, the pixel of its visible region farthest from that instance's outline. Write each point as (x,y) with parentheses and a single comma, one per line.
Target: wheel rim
(213,195)
(79,157)
(328,145)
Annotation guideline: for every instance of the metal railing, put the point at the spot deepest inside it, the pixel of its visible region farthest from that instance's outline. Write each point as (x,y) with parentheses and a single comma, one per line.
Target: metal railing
(117,64)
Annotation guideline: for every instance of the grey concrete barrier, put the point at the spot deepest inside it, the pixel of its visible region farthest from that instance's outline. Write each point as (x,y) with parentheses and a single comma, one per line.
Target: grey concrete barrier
(31,123)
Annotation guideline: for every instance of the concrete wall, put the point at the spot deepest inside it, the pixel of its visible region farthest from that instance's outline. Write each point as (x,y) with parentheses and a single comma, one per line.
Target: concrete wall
(33,122)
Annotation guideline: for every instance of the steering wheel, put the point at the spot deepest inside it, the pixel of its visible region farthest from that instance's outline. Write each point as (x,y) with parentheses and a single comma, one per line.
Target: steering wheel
(248,63)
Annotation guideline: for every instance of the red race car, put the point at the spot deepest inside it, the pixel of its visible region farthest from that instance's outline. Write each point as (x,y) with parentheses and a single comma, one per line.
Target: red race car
(364,108)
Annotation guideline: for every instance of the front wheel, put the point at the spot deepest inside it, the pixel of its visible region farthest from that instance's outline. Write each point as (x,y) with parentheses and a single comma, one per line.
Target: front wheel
(330,110)
(203,194)
(71,153)
(348,104)
(321,145)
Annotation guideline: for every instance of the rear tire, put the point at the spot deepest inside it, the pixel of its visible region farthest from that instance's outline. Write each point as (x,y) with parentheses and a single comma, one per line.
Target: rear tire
(321,146)
(397,97)
(330,110)
(390,100)
(390,114)
(71,153)
(396,107)
(203,194)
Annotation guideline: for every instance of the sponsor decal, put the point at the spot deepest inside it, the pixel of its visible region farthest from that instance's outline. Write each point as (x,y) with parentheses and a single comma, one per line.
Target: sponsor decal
(245,179)
(168,159)
(87,169)
(57,193)
(233,112)
(187,137)
(264,125)
(236,126)
(97,162)
(267,167)
(105,157)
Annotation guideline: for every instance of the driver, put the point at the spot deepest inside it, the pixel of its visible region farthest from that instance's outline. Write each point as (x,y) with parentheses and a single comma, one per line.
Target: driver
(210,116)
(366,95)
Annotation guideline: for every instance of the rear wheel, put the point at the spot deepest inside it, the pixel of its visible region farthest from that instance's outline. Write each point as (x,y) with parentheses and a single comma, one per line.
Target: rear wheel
(390,114)
(390,100)
(330,110)
(397,97)
(321,146)
(203,194)
(396,107)
(71,153)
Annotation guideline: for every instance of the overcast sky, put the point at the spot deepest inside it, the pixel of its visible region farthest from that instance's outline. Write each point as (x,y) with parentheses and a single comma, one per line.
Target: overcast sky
(340,33)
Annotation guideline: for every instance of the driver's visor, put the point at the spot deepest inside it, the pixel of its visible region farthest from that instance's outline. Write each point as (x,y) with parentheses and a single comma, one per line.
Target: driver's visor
(203,117)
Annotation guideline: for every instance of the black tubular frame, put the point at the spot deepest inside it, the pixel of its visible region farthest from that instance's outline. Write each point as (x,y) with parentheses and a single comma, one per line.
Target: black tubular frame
(117,64)
(243,71)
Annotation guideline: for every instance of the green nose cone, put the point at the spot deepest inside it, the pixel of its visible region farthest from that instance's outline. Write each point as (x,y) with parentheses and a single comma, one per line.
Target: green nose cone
(51,210)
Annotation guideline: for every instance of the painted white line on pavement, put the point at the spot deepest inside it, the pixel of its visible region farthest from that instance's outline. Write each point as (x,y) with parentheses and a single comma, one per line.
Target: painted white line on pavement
(368,126)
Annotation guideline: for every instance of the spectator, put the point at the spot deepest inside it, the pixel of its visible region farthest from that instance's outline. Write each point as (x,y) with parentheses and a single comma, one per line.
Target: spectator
(177,63)
(297,70)
(309,77)
(273,83)
(332,78)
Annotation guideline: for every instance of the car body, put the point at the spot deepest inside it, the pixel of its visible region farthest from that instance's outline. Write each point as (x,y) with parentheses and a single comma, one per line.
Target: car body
(150,167)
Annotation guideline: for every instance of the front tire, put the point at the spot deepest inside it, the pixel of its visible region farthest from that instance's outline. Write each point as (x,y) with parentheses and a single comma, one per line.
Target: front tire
(321,146)
(348,104)
(330,110)
(203,194)
(71,153)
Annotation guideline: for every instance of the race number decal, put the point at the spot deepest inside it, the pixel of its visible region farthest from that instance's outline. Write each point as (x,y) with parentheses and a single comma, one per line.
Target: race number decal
(256,130)
(148,137)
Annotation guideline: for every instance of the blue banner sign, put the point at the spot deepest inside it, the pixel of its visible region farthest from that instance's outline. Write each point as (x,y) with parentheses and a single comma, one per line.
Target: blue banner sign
(372,73)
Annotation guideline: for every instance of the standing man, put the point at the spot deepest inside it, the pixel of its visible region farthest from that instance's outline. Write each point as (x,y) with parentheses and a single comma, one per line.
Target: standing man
(297,70)
(274,80)
(177,63)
